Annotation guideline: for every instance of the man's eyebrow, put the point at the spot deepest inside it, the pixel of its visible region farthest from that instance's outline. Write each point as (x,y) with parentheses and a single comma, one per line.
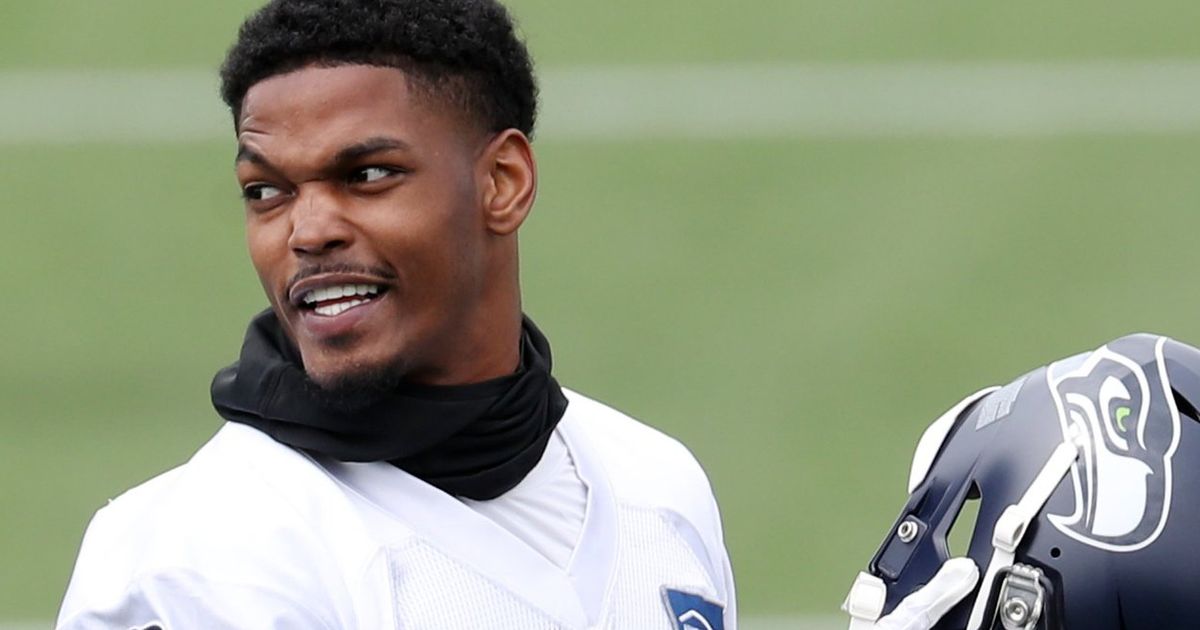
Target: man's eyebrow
(347,154)
(369,146)
(246,154)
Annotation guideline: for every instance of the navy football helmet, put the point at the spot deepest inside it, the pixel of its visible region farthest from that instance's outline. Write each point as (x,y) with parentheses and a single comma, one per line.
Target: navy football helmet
(1087,477)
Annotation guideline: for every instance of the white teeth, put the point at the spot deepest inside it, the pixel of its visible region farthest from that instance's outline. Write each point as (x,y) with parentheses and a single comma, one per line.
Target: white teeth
(340,291)
(339,308)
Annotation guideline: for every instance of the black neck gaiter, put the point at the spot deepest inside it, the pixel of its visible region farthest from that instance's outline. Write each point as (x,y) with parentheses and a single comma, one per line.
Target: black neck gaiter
(476,441)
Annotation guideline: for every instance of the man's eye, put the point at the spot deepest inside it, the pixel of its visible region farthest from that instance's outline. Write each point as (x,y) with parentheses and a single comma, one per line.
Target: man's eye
(370,174)
(261,192)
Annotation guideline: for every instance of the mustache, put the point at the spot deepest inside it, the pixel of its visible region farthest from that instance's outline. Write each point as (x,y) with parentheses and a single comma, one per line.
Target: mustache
(309,271)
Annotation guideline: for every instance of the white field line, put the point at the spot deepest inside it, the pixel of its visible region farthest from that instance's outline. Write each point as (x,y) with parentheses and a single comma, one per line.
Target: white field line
(781,622)
(734,101)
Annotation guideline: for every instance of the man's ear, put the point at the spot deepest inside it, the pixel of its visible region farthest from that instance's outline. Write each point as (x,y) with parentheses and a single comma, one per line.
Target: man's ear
(509,173)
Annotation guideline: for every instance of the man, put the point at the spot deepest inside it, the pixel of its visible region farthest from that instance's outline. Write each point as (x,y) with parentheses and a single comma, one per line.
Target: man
(397,454)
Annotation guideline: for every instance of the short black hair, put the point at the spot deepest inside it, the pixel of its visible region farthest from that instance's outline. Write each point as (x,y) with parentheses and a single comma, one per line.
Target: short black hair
(464,51)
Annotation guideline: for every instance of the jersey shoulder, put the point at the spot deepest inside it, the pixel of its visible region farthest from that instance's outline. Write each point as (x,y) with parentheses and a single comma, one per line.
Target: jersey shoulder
(235,514)
(241,481)
(645,466)
(650,471)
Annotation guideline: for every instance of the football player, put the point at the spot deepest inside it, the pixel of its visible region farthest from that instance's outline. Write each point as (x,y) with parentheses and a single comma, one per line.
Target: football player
(397,453)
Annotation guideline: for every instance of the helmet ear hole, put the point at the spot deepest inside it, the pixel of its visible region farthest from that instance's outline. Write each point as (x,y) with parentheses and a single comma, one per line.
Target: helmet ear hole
(958,539)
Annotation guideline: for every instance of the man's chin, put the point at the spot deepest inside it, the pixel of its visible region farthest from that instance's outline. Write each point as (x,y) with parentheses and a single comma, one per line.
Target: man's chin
(354,389)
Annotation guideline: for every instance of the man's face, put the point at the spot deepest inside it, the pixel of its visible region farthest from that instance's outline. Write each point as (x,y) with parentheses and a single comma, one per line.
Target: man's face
(363,220)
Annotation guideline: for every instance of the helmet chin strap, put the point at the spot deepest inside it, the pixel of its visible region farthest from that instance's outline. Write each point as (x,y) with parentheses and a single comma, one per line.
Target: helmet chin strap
(1013,523)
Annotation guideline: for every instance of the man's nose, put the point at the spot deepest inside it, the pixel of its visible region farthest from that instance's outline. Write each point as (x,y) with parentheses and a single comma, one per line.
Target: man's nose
(318,224)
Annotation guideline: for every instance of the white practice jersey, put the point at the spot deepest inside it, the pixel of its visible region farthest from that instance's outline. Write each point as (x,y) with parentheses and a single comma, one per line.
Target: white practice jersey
(254,534)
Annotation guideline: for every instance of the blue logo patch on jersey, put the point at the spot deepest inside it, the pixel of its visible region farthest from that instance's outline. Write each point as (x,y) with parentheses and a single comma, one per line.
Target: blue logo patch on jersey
(692,612)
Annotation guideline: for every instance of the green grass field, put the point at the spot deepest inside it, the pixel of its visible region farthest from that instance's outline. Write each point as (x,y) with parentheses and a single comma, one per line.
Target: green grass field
(795,309)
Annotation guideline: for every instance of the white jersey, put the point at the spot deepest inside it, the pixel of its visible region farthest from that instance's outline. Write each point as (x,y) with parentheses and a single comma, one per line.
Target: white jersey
(254,534)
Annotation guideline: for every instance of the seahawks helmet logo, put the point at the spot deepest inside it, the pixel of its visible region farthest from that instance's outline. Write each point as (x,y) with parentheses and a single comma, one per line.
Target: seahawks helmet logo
(1127,424)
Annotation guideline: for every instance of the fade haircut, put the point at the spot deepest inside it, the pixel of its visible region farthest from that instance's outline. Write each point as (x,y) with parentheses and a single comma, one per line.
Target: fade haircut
(465,52)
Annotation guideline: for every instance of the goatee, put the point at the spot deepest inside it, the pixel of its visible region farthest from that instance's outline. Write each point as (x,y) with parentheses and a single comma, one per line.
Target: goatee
(357,390)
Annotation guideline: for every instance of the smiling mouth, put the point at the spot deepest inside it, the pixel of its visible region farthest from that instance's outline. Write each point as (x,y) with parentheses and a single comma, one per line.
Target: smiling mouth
(333,300)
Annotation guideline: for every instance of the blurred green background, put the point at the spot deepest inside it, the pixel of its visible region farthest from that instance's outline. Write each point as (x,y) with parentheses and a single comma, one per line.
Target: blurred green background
(796,308)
